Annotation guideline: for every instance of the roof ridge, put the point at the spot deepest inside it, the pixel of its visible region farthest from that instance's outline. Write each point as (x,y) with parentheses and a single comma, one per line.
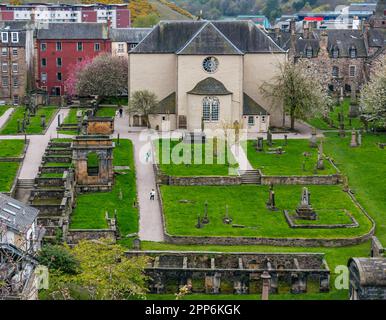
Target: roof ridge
(192,38)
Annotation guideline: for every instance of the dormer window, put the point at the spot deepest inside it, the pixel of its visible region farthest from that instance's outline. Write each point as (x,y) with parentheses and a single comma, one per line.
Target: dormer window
(14,37)
(353,52)
(309,52)
(4,37)
(335,53)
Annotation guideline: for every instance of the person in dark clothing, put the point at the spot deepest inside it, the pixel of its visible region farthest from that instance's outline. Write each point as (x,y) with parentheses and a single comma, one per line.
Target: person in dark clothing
(120,112)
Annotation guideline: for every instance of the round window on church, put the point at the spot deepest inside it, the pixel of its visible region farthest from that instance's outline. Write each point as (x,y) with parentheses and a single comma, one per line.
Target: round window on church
(210,64)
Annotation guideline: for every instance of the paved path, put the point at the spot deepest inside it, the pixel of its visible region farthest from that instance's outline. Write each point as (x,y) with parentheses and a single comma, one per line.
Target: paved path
(241,157)
(150,217)
(5,116)
(37,146)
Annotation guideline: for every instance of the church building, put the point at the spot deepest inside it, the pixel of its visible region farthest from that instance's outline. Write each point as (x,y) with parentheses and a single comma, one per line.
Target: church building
(206,74)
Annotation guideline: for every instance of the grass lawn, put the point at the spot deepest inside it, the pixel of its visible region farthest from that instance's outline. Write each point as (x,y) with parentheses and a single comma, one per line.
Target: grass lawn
(71,117)
(11,148)
(106,112)
(8,171)
(247,207)
(366,170)
(90,209)
(3,109)
(334,256)
(289,163)
(34,127)
(189,162)
(319,123)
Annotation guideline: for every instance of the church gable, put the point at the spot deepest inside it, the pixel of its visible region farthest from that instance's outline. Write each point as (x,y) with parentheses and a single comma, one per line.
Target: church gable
(209,40)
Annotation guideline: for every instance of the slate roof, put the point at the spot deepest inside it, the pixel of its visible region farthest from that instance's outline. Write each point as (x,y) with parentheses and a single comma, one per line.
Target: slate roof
(72,31)
(167,105)
(129,35)
(207,37)
(14,26)
(372,271)
(251,107)
(282,39)
(16,214)
(377,37)
(344,39)
(210,86)
(302,45)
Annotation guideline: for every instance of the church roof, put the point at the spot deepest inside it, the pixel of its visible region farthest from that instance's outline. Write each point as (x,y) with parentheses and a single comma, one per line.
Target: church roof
(207,37)
(167,105)
(210,86)
(251,107)
(209,40)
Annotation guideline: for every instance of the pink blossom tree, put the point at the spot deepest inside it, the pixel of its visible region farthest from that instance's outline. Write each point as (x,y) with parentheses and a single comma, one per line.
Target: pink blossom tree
(72,79)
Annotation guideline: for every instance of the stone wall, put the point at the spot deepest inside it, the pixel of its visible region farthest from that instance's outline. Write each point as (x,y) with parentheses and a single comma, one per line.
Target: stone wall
(76,235)
(302,180)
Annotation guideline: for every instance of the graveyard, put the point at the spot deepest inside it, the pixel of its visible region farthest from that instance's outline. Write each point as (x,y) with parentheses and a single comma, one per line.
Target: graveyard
(21,122)
(192,164)
(3,109)
(246,207)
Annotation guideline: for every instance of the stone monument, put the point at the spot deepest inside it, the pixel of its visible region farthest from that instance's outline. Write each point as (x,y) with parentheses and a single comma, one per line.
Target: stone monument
(305,210)
(354,142)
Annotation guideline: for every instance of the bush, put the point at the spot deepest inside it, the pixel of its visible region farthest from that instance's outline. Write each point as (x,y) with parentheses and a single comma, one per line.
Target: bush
(58,258)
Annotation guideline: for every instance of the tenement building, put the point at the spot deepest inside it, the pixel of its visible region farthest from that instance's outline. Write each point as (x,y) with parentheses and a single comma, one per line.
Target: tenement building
(16,48)
(206,74)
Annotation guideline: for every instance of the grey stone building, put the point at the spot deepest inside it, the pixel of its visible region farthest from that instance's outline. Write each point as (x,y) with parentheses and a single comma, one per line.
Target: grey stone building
(367,278)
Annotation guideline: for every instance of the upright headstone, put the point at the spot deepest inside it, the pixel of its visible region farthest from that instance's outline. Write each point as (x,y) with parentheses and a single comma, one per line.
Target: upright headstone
(266,285)
(18,126)
(59,120)
(43,121)
(205,219)
(260,144)
(320,161)
(313,140)
(360,138)
(227,219)
(353,143)
(285,139)
(271,204)
(198,225)
(269,138)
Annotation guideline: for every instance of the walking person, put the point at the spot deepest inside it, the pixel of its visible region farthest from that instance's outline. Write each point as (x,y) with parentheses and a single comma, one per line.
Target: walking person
(147,156)
(120,112)
(152,194)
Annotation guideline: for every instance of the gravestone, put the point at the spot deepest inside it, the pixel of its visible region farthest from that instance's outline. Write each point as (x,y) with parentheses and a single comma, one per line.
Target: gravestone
(304,210)
(205,219)
(260,144)
(353,143)
(136,244)
(271,204)
(313,140)
(198,224)
(320,161)
(360,138)
(269,138)
(43,121)
(227,219)
(285,139)
(18,126)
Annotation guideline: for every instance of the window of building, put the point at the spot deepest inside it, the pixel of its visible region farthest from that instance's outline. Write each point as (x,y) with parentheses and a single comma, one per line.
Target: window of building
(59,76)
(335,71)
(121,47)
(4,37)
(15,37)
(79,46)
(353,52)
(4,52)
(335,53)
(15,67)
(210,109)
(15,99)
(14,52)
(4,67)
(97,47)
(4,82)
(132,45)
(43,46)
(80,59)
(58,46)
(309,52)
(251,120)
(15,82)
(352,71)
(59,62)
(262,119)
(44,62)
(43,76)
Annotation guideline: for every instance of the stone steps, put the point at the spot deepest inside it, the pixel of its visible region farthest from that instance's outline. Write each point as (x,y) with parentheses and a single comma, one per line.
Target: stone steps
(250,177)
(25,183)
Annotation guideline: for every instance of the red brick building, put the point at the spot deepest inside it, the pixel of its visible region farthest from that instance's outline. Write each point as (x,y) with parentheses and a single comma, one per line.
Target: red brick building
(60,46)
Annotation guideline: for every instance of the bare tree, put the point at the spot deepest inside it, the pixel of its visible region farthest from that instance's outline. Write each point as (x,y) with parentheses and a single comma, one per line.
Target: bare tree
(144,103)
(301,94)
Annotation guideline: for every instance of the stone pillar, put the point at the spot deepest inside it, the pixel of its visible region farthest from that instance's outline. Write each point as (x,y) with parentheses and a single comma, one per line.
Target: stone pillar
(266,285)
(324,282)
(298,283)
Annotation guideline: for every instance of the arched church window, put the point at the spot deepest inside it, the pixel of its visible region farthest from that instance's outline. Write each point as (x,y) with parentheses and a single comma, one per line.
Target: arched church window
(210,109)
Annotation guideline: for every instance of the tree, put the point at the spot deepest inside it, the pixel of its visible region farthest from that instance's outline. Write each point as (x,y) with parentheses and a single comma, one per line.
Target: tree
(300,94)
(105,273)
(58,258)
(105,76)
(143,102)
(71,81)
(373,97)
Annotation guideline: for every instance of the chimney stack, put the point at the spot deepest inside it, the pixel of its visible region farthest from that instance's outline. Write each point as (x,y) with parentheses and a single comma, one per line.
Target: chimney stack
(293,26)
